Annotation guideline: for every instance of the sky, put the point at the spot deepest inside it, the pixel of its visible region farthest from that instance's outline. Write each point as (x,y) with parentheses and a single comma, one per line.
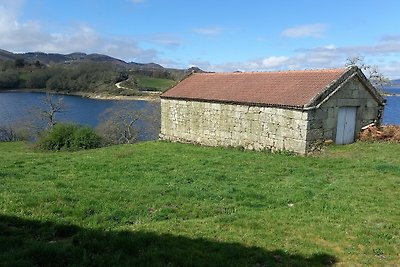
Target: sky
(215,35)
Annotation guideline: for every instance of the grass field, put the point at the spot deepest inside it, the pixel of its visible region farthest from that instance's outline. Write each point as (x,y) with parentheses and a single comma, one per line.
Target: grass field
(167,204)
(146,83)
(156,84)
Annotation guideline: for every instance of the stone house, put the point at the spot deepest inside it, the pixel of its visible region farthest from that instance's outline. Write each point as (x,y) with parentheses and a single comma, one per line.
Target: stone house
(288,110)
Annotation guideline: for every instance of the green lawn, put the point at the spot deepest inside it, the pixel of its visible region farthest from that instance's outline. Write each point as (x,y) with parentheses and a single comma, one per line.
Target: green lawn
(167,204)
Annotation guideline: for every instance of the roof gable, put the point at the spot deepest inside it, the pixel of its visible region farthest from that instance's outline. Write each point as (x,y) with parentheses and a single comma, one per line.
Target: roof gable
(331,89)
(297,89)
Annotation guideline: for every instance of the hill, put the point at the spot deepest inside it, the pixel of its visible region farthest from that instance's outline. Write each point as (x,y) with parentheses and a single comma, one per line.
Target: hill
(5,55)
(78,57)
(80,72)
(169,204)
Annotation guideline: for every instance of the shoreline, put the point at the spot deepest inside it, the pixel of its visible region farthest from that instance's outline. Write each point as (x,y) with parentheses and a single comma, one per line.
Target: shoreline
(149,97)
(391,94)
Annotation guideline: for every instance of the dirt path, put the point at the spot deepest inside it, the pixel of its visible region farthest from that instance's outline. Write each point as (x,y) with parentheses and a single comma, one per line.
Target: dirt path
(152,93)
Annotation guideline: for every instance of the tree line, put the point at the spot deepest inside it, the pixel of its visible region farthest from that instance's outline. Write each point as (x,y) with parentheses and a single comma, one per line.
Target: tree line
(86,76)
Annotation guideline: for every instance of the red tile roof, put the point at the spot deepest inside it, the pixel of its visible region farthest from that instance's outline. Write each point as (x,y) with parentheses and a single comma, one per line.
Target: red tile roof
(286,88)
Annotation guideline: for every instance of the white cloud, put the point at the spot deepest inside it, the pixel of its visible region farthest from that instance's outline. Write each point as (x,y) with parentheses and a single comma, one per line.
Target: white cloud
(385,53)
(391,70)
(272,62)
(331,46)
(310,30)
(168,40)
(381,48)
(202,64)
(17,36)
(136,1)
(210,31)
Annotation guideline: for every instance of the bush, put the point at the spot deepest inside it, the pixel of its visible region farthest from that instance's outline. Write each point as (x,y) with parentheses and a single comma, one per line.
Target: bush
(85,138)
(69,137)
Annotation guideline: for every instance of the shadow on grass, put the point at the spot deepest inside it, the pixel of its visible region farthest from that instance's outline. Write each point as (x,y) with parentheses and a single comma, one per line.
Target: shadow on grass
(34,243)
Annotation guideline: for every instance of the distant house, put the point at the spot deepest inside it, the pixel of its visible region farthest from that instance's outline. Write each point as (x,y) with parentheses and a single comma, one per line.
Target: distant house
(290,110)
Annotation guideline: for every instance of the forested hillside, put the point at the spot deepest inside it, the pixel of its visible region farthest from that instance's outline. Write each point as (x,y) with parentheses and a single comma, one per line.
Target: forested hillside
(79,72)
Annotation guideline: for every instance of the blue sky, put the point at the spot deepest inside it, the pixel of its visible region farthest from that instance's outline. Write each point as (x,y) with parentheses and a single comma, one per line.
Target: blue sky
(214,35)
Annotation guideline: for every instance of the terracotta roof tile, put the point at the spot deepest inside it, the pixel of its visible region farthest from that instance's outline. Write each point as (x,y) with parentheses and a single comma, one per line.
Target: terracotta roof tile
(286,88)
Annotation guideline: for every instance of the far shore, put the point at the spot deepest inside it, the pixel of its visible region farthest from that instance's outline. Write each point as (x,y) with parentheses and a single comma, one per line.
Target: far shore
(390,94)
(147,97)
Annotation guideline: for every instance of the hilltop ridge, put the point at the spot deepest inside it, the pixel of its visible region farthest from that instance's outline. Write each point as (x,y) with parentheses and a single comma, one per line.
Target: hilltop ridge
(87,73)
(74,58)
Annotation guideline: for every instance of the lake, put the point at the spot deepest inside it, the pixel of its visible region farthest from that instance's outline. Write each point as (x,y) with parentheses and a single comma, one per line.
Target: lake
(15,105)
(18,106)
(392,110)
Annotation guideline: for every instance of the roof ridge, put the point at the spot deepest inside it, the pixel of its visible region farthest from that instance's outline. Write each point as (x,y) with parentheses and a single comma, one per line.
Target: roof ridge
(288,88)
(275,71)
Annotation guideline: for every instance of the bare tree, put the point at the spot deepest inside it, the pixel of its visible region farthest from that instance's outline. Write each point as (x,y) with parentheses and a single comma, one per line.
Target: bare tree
(51,105)
(124,123)
(7,134)
(40,117)
(371,71)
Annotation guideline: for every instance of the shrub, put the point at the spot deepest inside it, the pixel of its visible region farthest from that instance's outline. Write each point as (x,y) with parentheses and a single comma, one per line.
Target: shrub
(69,137)
(85,138)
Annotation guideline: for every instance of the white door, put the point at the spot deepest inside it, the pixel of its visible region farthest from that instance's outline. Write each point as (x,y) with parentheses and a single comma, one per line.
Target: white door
(346,125)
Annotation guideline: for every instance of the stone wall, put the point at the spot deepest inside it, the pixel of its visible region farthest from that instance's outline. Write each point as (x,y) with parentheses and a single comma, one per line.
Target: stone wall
(254,127)
(218,124)
(323,121)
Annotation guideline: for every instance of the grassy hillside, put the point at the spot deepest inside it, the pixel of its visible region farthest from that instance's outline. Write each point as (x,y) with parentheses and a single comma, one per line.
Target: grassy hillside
(166,204)
(147,83)
(80,72)
(154,84)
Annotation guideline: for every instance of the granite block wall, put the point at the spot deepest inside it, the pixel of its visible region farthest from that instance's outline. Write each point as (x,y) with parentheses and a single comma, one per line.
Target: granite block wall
(219,124)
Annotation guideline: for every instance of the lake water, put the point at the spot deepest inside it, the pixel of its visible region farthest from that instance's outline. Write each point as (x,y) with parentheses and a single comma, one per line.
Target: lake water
(15,105)
(18,106)
(392,109)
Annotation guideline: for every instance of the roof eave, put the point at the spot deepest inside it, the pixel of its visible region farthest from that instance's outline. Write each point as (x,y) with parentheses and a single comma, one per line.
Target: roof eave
(234,102)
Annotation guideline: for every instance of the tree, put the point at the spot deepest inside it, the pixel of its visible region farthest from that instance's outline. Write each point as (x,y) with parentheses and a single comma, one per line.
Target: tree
(38,79)
(371,71)
(125,123)
(9,79)
(52,105)
(37,64)
(20,63)
(40,118)
(7,134)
